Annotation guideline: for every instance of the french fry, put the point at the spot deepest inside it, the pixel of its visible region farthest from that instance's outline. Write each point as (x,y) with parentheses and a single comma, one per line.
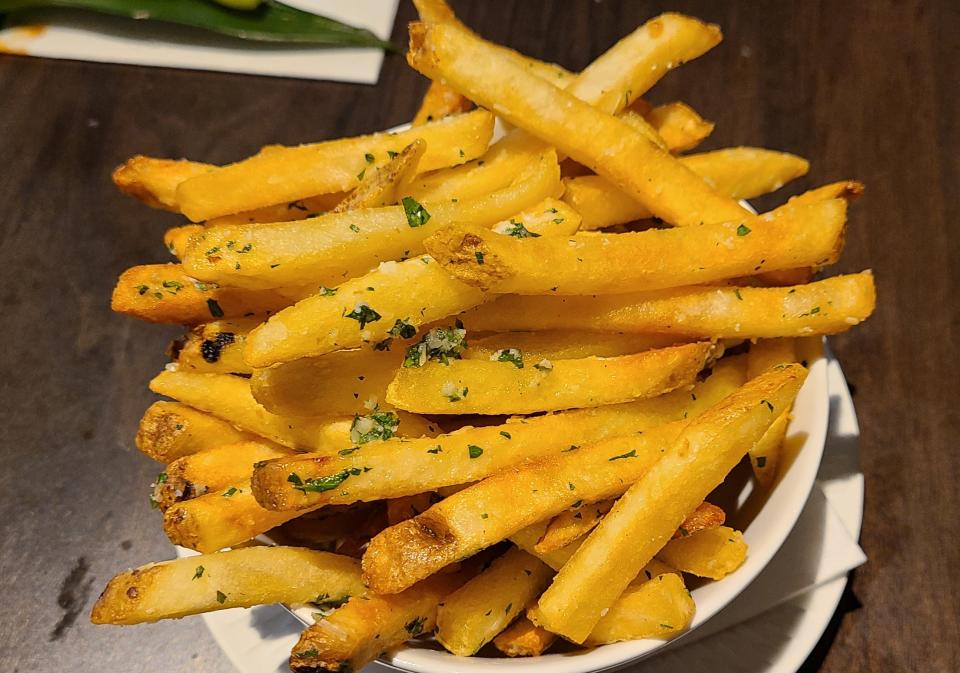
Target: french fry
(170,430)
(565,344)
(474,614)
(301,209)
(163,293)
(330,248)
(765,454)
(508,386)
(827,306)
(190,476)
(154,181)
(646,517)
(738,172)
(338,383)
(285,174)
(229,398)
(523,638)
(400,468)
(591,263)
(603,143)
(550,217)
(240,578)
(355,634)
(848,190)
(679,125)
(648,608)
(408,506)
(382,188)
(711,552)
(176,239)
(216,520)
(438,102)
(500,505)
(216,347)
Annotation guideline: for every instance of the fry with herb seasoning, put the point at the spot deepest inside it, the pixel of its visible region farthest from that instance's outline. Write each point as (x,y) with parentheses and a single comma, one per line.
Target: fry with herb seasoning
(508,384)
(163,293)
(285,174)
(176,239)
(474,614)
(355,634)
(659,607)
(710,552)
(765,454)
(655,506)
(679,125)
(170,430)
(523,638)
(240,578)
(826,306)
(388,181)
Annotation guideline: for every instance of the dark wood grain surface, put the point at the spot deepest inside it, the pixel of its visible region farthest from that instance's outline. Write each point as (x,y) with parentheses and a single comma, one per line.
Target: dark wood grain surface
(864,88)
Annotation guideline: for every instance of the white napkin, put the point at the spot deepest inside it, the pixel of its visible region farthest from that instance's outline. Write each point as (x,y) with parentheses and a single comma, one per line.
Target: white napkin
(106,39)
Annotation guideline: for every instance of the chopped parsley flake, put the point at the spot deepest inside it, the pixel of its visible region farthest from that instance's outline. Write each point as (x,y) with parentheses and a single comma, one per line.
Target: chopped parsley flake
(354,228)
(214,308)
(325,604)
(327,291)
(198,573)
(377,425)
(363,314)
(511,355)
(417,215)
(479,255)
(361,174)
(736,291)
(402,329)
(368,157)
(441,344)
(452,394)
(503,433)
(142,289)
(474,451)
(436,449)
(322,484)
(743,230)
(415,626)
(232,491)
(517,230)
(761,461)
(768,403)
(306,654)
(632,453)
(347,452)
(221,597)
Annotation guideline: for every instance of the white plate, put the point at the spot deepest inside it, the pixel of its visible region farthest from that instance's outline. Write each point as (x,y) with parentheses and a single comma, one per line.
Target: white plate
(259,640)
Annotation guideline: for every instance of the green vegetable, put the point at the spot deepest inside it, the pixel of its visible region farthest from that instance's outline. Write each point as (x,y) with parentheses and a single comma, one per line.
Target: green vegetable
(417,215)
(378,425)
(512,355)
(267,21)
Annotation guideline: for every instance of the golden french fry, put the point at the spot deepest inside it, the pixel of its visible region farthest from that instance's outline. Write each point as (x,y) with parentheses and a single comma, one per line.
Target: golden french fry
(550,217)
(216,347)
(849,190)
(566,344)
(170,430)
(646,517)
(240,578)
(648,608)
(508,385)
(523,638)
(176,239)
(338,383)
(738,172)
(163,293)
(355,634)
(331,248)
(285,174)
(679,125)
(605,144)
(154,181)
(593,263)
(827,306)
(395,468)
(711,552)
(199,473)
(438,102)
(388,181)
(474,614)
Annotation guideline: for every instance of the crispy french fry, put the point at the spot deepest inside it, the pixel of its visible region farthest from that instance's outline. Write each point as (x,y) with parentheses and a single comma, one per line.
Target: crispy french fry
(154,181)
(646,517)
(765,454)
(648,608)
(285,174)
(679,125)
(438,102)
(408,506)
(711,552)
(382,188)
(738,172)
(474,614)
(194,475)
(338,383)
(605,144)
(333,247)
(592,263)
(565,344)
(572,524)
(239,578)
(163,293)
(216,347)
(177,238)
(848,190)
(170,430)
(827,306)
(508,386)
(523,638)
(406,467)
(355,634)
(301,209)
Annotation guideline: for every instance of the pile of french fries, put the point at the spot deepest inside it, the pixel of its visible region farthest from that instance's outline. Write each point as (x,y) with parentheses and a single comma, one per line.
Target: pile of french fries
(478,387)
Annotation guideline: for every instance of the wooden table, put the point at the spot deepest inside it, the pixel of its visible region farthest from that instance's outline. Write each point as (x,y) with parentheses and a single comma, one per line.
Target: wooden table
(865,89)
